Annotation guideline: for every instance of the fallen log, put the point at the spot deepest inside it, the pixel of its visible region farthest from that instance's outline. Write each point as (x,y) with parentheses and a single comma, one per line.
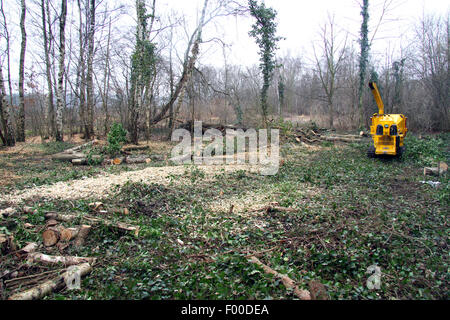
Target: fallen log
(28,210)
(68,156)
(30,247)
(92,220)
(287,282)
(95,206)
(317,290)
(441,169)
(308,140)
(49,286)
(82,235)
(136,160)
(52,235)
(119,226)
(38,257)
(340,139)
(79,162)
(77,148)
(117,161)
(61,217)
(135,148)
(430,171)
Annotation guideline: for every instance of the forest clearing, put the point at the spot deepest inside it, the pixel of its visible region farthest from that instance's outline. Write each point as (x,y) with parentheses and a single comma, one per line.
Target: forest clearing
(223,150)
(328,215)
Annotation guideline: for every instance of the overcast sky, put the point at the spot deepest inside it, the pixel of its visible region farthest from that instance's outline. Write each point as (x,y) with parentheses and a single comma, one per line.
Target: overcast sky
(299,22)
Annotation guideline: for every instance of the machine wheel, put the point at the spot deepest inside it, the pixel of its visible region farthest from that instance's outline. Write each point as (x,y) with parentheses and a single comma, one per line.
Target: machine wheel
(371,152)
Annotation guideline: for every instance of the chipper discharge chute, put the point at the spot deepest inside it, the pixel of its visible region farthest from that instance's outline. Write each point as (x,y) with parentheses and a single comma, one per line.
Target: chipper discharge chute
(388,131)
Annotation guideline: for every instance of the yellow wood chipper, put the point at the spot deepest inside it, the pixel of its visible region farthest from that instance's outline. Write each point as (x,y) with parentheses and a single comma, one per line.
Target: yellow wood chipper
(388,131)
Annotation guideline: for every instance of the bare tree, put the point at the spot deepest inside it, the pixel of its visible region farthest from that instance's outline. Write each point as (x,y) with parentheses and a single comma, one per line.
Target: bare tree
(432,66)
(330,65)
(8,51)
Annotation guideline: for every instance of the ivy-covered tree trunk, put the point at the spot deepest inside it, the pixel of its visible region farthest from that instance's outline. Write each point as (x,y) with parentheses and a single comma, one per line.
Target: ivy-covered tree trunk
(21,115)
(281,88)
(264,31)
(142,70)
(363,59)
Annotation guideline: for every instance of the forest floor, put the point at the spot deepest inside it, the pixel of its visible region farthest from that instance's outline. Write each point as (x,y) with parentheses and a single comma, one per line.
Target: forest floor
(199,224)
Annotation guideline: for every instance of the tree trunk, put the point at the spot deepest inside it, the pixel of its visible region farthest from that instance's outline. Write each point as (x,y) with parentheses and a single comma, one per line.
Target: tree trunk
(106,82)
(50,112)
(363,59)
(82,79)
(49,286)
(60,92)
(5,114)
(188,67)
(21,116)
(90,71)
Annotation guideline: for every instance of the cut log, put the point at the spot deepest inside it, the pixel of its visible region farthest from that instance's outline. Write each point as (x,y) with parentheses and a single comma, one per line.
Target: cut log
(136,160)
(82,235)
(340,139)
(79,162)
(317,290)
(50,236)
(119,226)
(30,247)
(49,286)
(67,234)
(95,206)
(135,148)
(61,217)
(431,171)
(84,161)
(441,169)
(117,161)
(124,211)
(28,210)
(68,156)
(77,148)
(38,257)
(51,223)
(287,282)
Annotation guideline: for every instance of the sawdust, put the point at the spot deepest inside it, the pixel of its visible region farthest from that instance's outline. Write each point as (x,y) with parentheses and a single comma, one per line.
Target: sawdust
(102,186)
(6,177)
